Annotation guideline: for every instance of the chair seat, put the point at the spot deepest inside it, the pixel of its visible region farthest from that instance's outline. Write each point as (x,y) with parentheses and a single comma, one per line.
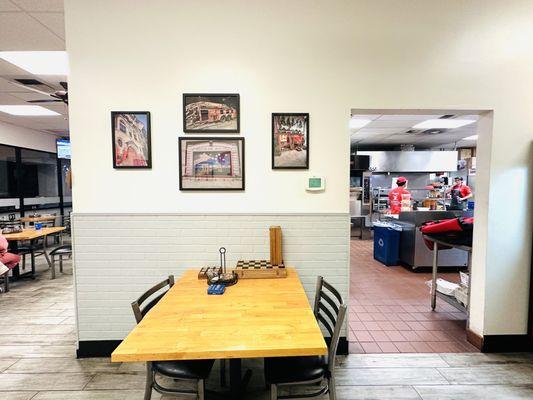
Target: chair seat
(186,369)
(295,369)
(28,249)
(62,250)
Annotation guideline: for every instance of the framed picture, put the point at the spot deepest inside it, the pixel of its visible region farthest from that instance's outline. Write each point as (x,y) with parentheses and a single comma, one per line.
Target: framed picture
(211,163)
(211,113)
(290,141)
(132,146)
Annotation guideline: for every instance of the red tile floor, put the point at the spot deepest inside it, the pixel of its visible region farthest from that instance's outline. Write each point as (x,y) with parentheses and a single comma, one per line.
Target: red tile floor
(390,309)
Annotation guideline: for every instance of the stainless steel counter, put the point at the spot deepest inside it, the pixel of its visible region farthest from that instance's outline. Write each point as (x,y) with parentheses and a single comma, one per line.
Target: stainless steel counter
(413,250)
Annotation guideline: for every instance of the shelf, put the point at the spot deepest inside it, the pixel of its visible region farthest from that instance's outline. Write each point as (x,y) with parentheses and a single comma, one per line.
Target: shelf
(451,300)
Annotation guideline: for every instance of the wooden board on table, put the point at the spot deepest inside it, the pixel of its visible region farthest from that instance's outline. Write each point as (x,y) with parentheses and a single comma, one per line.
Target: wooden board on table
(259,269)
(29,234)
(254,318)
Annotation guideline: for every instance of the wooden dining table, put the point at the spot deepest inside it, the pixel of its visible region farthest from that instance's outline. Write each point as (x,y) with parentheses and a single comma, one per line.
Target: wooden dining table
(254,318)
(31,235)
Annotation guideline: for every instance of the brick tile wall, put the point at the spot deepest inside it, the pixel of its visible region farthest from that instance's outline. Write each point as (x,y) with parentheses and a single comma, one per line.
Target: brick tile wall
(118,256)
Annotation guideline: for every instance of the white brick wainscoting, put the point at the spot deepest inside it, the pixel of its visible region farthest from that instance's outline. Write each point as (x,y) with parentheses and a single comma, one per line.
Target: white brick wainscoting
(118,256)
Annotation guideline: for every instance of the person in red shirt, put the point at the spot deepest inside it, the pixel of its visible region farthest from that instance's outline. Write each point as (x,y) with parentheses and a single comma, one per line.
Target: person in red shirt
(459,193)
(398,194)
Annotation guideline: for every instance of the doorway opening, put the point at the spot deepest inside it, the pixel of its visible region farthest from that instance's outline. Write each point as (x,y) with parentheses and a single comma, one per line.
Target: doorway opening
(407,168)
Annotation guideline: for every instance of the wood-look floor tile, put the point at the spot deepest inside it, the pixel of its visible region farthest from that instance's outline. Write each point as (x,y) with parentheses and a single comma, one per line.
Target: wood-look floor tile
(37,382)
(389,376)
(96,395)
(60,365)
(464,359)
(474,392)
(393,360)
(117,381)
(26,395)
(377,392)
(490,375)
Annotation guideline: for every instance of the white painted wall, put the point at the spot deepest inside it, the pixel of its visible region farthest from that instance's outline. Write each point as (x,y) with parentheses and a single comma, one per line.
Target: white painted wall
(321,57)
(23,137)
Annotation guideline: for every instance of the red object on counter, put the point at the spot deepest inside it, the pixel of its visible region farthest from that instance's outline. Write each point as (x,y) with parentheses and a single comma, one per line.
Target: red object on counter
(455,230)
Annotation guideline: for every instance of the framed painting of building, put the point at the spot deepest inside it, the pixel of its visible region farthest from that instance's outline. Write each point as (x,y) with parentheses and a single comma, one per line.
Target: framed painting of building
(211,163)
(290,141)
(211,113)
(131,139)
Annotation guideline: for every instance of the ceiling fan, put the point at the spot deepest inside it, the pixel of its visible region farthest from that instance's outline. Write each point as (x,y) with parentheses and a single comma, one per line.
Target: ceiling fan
(58,96)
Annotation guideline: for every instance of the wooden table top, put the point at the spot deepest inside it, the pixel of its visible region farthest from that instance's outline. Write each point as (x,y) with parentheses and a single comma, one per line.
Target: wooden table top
(254,318)
(28,234)
(39,219)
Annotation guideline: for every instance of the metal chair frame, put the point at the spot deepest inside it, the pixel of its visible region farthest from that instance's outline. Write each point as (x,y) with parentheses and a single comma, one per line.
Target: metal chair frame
(151,381)
(324,309)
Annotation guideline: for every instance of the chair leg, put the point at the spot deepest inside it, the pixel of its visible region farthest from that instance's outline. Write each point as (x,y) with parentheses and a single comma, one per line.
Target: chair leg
(24,262)
(331,389)
(53,267)
(201,389)
(61,263)
(223,373)
(149,382)
(273,392)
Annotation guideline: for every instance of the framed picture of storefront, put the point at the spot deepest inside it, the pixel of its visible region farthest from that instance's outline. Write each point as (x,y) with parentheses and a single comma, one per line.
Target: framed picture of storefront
(211,113)
(131,143)
(211,163)
(290,141)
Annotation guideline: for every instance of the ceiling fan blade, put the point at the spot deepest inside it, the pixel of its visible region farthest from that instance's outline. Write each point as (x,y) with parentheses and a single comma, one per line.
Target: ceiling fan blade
(64,85)
(30,88)
(44,101)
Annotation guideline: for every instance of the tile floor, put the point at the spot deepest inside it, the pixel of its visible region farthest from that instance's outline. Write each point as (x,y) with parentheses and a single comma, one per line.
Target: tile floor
(390,309)
(37,362)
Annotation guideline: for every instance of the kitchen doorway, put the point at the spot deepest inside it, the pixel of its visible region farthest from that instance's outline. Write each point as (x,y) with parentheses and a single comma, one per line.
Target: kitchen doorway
(432,158)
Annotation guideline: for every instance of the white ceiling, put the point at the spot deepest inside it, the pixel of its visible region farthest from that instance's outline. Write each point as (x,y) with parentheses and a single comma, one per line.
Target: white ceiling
(31,25)
(390,130)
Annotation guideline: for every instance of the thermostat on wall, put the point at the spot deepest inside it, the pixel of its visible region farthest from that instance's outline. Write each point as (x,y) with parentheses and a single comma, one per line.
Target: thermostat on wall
(315,184)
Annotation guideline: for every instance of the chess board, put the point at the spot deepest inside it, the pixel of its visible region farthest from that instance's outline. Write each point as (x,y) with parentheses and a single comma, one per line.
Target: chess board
(257,269)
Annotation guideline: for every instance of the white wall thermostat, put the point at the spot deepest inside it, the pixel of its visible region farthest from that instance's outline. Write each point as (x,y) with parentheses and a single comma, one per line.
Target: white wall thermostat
(315,184)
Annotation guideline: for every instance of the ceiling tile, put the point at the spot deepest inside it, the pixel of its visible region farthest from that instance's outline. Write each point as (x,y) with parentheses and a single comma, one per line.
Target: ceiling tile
(22,32)
(40,5)
(10,99)
(53,21)
(6,5)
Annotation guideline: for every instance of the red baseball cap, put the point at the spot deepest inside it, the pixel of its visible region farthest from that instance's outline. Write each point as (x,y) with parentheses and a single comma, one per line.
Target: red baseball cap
(401,179)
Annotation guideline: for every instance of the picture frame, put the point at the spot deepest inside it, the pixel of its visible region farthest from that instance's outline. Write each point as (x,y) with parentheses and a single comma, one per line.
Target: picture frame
(211,163)
(290,140)
(131,139)
(211,113)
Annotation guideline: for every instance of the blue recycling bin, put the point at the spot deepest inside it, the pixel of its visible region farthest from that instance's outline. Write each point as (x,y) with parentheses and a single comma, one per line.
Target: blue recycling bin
(386,245)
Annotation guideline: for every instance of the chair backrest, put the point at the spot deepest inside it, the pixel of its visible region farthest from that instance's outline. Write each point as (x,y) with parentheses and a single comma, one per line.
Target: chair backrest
(140,310)
(330,311)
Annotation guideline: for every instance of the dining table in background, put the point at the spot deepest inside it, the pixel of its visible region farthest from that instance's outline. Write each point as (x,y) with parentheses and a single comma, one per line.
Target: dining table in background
(255,318)
(31,235)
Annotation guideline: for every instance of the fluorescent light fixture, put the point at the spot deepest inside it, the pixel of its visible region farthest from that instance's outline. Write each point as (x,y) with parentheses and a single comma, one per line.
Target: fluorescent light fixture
(38,62)
(33,111)
(357,123)
(473,137)
(443,123)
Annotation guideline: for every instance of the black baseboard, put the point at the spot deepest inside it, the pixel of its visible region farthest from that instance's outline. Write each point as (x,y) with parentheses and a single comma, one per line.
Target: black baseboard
(96,348)
(506,343)
(104,348)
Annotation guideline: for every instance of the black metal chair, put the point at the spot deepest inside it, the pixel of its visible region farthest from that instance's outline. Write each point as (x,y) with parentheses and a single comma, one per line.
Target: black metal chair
(33,248)
(330,311)
(193,370)
(61,251)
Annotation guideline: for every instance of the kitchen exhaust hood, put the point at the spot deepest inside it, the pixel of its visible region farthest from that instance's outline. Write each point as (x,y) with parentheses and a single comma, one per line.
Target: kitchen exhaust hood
(411,161)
